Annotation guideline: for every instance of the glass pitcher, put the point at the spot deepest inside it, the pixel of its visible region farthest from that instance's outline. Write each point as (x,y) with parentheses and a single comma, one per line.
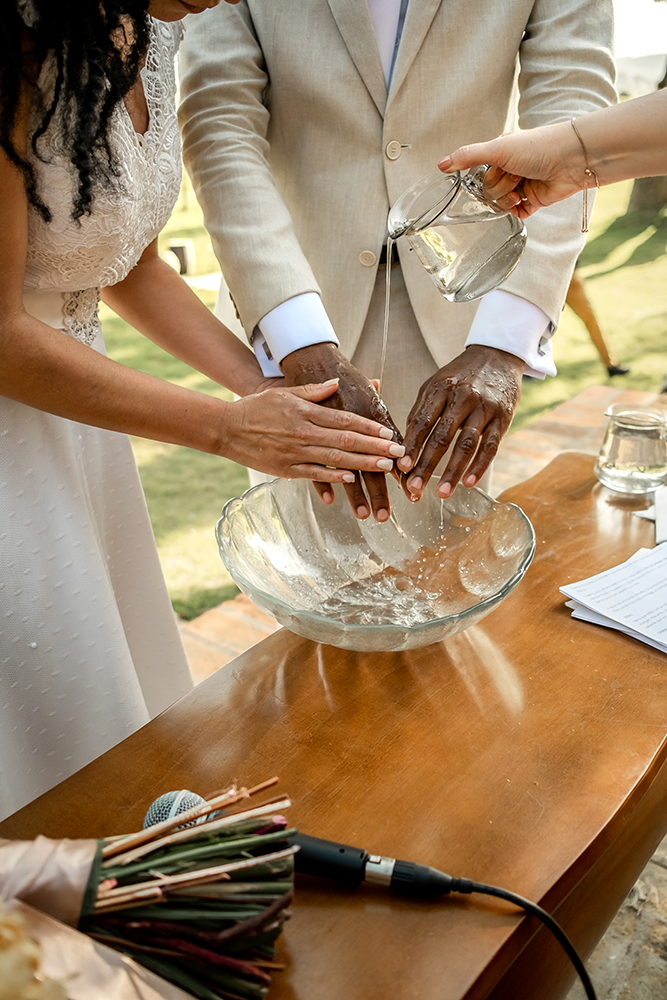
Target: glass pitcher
(633,456)
(467,244)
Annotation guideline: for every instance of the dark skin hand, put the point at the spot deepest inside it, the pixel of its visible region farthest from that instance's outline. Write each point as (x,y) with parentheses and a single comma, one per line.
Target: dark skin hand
(474,396)
(355,393)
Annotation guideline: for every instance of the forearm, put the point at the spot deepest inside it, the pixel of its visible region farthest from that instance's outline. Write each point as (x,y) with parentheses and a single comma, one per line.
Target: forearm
(156,301)
(628,140)
(47,370)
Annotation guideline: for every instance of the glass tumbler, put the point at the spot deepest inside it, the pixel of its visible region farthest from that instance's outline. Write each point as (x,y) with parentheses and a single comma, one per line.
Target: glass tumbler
(466,243)
(633,456)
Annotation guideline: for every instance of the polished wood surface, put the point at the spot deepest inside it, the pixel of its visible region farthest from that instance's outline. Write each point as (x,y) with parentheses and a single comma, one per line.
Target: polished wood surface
(528,752)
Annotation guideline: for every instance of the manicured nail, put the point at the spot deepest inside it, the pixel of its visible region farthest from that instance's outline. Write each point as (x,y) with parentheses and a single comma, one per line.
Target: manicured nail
(405,463)
(397,450)
(386,433)
(385,464)
(382,515)
(444,489)
(445,164)
(470,480)
(416,484)
(327,497)
(349,477)
(362,512)
(331,381)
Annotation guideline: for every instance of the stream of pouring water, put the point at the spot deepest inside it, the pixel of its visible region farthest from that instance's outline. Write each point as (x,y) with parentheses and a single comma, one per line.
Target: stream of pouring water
(387,286)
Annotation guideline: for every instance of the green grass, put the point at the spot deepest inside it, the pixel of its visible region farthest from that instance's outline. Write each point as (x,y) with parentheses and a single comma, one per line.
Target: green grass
(625,266)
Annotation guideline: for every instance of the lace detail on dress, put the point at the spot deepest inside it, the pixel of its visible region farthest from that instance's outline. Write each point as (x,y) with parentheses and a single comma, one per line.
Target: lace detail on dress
(81,315)
(102,248)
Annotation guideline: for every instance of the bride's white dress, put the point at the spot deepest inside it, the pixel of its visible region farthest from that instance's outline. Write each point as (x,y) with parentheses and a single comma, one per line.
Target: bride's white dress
(89,647)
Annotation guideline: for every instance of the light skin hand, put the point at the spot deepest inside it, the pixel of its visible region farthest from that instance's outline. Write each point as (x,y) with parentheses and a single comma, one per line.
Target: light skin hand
(475,397)
(284,432)
(537,167)
(528,170)
(355,394)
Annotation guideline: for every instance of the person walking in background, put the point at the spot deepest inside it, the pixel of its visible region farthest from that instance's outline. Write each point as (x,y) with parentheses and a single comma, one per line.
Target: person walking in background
(578,301)
(89,172)
(303,123)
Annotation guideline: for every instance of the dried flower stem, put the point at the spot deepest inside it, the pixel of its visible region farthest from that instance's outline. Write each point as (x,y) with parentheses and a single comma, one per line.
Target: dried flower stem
(119,846)
(202,875)
(194,831)
(226,798)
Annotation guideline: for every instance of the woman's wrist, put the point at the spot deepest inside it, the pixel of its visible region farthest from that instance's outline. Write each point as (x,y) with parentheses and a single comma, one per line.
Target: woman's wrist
(214,425)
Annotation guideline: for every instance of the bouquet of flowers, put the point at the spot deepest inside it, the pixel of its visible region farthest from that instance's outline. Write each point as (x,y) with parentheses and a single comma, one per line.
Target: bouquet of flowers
(199,898)
(19,963)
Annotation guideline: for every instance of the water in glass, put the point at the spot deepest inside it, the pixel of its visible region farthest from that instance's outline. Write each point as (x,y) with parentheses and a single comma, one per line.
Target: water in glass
(633,456)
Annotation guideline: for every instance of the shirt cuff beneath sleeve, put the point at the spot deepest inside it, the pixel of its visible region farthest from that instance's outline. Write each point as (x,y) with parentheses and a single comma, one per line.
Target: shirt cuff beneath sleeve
(298,322)
(510,323)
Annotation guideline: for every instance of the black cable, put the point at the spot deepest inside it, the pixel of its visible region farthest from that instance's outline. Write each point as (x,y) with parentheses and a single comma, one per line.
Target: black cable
(463,885)
(353,865)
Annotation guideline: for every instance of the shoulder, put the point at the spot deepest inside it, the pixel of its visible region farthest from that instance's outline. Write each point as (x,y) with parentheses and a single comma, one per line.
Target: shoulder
(168,34)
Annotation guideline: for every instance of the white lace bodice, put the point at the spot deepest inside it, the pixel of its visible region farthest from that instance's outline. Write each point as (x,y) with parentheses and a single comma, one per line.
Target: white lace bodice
(78,258)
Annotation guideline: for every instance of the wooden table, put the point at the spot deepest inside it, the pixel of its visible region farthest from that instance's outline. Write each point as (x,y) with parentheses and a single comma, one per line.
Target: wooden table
(528,752)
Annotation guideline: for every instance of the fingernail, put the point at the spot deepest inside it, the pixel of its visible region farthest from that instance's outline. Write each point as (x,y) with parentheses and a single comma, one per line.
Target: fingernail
(416,484)
(331,381)
(444,489)
(349,477)
(470,480)
(327,497)
(385,464)
(405,464)
(362,512)
(382,515)
(386,433)
(444,164)
(397,450)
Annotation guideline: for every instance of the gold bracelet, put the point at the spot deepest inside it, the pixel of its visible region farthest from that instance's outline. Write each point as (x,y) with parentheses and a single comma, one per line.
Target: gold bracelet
(588,173)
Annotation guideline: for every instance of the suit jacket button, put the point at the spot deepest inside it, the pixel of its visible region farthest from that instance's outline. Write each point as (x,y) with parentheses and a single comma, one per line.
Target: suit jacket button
(367,258)
(393,149)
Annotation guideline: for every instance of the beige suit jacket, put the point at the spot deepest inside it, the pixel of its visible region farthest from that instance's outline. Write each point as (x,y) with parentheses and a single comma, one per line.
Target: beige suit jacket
(291,139)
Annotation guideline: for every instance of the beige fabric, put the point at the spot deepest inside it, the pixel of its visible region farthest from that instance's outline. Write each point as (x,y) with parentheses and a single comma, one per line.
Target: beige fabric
(408,361)
(286,119)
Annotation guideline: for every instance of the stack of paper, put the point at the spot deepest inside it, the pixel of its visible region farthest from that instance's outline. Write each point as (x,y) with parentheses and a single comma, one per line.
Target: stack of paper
(631,597)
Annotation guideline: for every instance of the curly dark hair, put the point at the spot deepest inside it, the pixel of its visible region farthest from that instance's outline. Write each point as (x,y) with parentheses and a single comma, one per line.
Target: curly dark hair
(98,46)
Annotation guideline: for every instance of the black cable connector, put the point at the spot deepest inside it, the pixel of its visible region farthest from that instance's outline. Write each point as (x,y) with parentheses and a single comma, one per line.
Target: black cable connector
(353,865)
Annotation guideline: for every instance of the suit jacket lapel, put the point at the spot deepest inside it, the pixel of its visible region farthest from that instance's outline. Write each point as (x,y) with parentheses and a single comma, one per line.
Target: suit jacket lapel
(355,25)
(420,14)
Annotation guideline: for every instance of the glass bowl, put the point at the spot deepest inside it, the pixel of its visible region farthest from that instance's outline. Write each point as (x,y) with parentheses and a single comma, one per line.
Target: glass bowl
(433,569)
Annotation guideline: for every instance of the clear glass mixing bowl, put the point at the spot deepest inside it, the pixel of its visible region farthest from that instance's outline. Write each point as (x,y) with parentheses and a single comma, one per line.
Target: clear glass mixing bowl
(433,569)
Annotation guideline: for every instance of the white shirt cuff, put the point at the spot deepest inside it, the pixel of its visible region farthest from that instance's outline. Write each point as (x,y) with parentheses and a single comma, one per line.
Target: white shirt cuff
(298,322)
(510,323)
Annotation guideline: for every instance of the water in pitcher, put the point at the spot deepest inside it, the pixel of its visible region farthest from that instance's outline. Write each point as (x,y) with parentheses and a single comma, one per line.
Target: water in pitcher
(466,243)
(469,259)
